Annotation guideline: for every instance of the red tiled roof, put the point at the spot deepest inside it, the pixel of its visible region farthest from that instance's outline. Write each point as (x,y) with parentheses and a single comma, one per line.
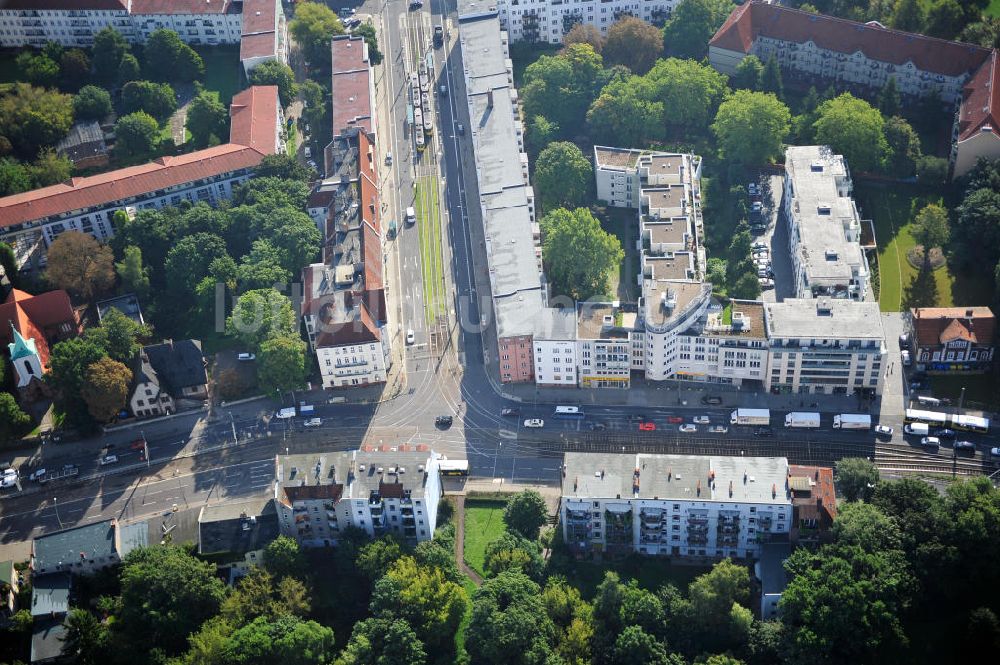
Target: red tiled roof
(933,325)
(823,496)
(259,27)
(93,5)
(981,100)
(32,315)
(350,92)
(259,45)
(929,54)
(183,7)
(254,121)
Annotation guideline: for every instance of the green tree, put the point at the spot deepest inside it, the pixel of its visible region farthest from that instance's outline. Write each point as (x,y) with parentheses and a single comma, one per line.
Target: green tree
(867,526)
(541,132)
(156,99)
(856,478)
(281,167)
(908,15)
(561,87)
(167,58)
(74,68)
(713,594)
(282,364)
(106,388)
(259,315)
(367,31)
(634,43)
(133,275)
(286,639)
(14,178)
(770,79)
(92,103)
(931,229)
(985,32)
(436,554)
(8,263)
(136,134)
(584,33)
(509,623)
(129,69)
(275,72)
(689,91)
(206,118)
(166,595)
(121,336)
(749,74)
(50,168)
(284,558)
(13,421)
(889,100)
(579,255)
(378,556)
(752,126)
(261,267)
(692,23)
(932,170)
(563,176)
(383,642)
(312,28)
(421,596)
(38,69)
(621,113)
(260,594)
(68,365)
(634,646)
(86,640)
(32,118)
(904,147)
(80,264)
(513,552)
(190,258)
(526,513)
(109,49)
(854,129)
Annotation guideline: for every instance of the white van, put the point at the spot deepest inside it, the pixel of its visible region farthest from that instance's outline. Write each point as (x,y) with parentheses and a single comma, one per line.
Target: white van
(924,400)
(307,152)
(411,215)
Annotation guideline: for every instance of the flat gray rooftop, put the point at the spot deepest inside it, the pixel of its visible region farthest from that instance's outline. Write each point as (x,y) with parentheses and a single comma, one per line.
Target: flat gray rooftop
(687,477)
(824,318)
(357,473)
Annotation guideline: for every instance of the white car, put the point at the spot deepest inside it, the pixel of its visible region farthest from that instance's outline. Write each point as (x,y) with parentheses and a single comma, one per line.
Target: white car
(109,459)
(883,431)
(313,422)
(701,420)
(9,478)
(410,336)
(718,429)
(688,428)
(534,423)
(994,452)
(36,475)
(245,356)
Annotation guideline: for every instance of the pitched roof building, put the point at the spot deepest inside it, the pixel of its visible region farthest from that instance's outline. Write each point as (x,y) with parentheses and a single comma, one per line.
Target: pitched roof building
(815,49)
(29,325)
(264,34)
(954,339)
(84,145)
(165,373)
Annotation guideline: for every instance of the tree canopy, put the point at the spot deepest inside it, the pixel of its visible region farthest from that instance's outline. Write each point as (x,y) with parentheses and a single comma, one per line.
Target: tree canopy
(692,24)
(634,43)
(136,134)
(563,175)
(579,255)
(312,28)
(91,103)
(106,388)
(275,72)
(206,118)
(752,127)
(526,513)
(854,129)
(856,478)
(167,58)
(80,264)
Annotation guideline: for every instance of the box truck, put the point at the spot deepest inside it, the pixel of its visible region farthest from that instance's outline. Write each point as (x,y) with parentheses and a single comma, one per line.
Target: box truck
(917,429)
(804,419)
(750,417)
(852,421)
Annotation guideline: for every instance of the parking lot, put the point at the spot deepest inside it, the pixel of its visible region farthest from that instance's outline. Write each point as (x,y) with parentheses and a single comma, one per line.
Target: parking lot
(774,238)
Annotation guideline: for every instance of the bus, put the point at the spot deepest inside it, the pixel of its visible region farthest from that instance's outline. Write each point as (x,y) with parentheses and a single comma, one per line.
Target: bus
(568,412)
(455,467)
(932,418)
(971,423)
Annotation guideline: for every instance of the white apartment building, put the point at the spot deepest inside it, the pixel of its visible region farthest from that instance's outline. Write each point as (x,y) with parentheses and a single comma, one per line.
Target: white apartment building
(31,220)
(616,175)
(674,505)
(721,348)
(550,20)
(605,347)
(209,22)
(388,490)
(824,226)
(825,346)
(555,363)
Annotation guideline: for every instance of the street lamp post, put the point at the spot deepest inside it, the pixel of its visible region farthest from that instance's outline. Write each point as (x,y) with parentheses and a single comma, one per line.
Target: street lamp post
(55,506)
(232,424)
(496,455)
(145,447)
(961,400)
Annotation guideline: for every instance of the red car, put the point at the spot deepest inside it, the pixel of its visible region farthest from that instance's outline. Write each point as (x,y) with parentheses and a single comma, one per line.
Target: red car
(138,444)
(675,420)
(647,427)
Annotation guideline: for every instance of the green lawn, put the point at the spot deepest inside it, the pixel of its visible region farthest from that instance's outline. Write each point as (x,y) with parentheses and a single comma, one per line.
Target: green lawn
(223,73)
(993,9)
(470,590)
(483,525)
(902,285)
(650,573)
(428,209)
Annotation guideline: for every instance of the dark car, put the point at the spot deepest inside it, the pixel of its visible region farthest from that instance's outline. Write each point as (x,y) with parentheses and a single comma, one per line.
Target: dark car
(763,431)
(438,36)
(443,421)
(945,434)
(636,417)
(510,412)
(711,399)
(597,427)
(965,446)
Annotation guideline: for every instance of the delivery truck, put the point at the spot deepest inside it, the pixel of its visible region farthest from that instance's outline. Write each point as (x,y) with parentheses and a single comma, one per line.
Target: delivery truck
(804,419)
(852,421)
(760,417)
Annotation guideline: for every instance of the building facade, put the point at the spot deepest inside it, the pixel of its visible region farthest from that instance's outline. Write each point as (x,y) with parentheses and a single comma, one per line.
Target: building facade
(953,339)
(30,326)
(550,20)
(381,491)
(976,134)
(673,505)
(32,220)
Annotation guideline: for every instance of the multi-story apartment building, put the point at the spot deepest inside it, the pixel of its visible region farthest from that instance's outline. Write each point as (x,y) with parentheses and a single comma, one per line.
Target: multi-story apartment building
(85,549)
(30,221)
(813,49)
(674,505)
(824,226)
(616,175)
(258,26)
(825,346)
(519,302)
(717,351)
(388,490)
(343,296)
(550,20)
(604,345)
(953,339)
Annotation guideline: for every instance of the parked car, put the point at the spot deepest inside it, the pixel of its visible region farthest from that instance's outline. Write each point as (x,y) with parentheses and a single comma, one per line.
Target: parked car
(9,478)
(534,423)
(883,431)
(410,337)
(760,244)
(675,420)
(701,420)
(718,429)
(994,452)
(965,446)
(109,459)
(461,129)
(443,421)
(313,422)
(510,412)
(245,356)
(763,431)
(753,189)
(416,4)
(597,427)
(945,434)
(930,442)
(444,90)
(766,284)
(711,399)
(37,475)
(388,159)
(906,358)
(688,428)
(647,427)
